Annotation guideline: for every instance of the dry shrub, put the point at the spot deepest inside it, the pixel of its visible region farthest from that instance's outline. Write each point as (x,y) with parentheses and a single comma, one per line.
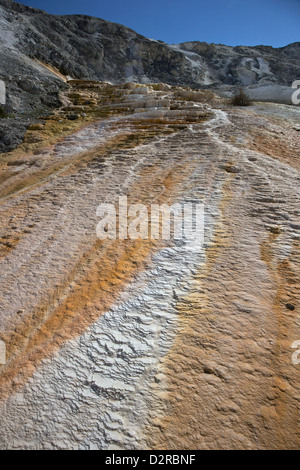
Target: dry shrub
(240,99)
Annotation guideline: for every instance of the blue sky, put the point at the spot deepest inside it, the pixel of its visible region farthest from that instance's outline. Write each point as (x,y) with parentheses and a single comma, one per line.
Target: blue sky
(232,22)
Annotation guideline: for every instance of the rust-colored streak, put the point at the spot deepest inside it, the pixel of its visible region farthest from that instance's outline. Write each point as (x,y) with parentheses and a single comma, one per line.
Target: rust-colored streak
(98,278)
(183,365)
(287,281)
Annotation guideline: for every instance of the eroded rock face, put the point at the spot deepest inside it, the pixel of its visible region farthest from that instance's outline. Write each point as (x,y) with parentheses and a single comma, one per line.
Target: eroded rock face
(91,48)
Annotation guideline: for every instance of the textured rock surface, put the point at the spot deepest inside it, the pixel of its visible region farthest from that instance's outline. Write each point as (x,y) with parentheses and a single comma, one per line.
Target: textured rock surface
(141,344)
(40,52)
(91,48)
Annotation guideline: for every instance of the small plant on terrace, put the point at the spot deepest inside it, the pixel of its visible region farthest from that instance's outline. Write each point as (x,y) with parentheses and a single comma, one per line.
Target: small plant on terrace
(240,99)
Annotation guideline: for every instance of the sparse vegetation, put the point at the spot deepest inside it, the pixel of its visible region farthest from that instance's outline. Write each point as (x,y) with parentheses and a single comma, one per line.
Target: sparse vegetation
(3,114)
(241,99)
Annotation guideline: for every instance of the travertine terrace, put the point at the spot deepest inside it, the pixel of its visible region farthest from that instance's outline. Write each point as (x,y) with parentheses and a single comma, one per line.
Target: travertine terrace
(123,344)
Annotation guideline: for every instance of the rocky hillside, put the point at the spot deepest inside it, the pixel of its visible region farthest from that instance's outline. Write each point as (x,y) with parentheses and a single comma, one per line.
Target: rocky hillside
(130,344)
(145,343)
(39,52)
